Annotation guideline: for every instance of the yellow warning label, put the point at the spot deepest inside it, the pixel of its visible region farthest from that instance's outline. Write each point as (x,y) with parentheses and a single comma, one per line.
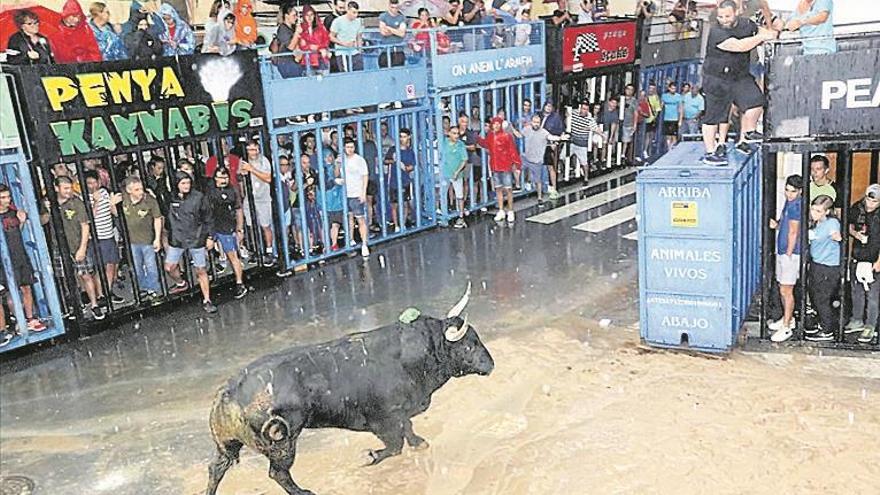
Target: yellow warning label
(684,214)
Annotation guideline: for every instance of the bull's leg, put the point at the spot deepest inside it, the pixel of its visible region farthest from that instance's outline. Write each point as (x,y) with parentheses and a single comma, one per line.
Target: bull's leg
(412,439)
(391,433)
(279,470)
(227,455)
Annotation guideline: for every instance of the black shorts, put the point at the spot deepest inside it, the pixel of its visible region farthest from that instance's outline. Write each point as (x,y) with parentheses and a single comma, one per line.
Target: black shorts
(478,172)
(393,197)
(670,128)
(721,93)
(24,272)
(372,189)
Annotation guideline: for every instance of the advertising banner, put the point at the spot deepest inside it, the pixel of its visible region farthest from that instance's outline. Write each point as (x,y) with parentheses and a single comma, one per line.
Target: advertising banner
(592,46)
(83,109)
(831,95)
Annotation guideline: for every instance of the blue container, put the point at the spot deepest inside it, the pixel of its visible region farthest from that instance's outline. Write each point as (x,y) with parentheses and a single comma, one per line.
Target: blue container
(699,248)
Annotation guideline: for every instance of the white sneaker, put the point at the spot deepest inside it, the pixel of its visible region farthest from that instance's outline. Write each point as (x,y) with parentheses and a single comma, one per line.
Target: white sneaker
(782,334)
(365,251)
(499,217)
(775,325)
(510,217)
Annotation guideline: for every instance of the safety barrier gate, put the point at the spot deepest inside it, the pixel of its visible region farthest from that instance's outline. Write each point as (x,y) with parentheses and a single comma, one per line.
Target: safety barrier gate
(823,110)
(479,73)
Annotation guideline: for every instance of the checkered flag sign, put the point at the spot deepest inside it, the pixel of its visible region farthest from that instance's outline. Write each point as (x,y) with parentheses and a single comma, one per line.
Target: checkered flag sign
(585,43)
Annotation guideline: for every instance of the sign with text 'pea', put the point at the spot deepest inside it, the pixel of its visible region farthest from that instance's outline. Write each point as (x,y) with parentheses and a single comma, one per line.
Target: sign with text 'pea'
(86,109)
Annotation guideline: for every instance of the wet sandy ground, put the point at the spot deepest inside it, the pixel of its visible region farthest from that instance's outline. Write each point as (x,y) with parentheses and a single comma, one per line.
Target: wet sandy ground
(571,407)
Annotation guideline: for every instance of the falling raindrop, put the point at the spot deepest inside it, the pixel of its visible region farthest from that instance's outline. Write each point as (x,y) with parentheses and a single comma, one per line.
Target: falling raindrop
(484,284)
(614,275)
(864,394)
(364,311)
(852,417)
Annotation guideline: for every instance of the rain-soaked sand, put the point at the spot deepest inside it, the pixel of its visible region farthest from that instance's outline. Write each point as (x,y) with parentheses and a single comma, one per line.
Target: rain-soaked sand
(572,408)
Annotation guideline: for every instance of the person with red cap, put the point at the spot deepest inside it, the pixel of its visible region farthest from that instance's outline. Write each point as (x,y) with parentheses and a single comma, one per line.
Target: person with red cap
(75,41)
(503,157)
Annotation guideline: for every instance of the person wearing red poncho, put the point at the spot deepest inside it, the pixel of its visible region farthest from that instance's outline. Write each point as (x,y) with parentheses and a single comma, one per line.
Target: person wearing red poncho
(503,157)
(74,42)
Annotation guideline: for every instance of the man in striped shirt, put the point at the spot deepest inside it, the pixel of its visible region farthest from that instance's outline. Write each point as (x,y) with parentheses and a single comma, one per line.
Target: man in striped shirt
(104,211)
(583,125)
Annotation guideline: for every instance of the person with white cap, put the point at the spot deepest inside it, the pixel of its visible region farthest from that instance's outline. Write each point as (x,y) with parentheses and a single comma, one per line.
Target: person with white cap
(864,228)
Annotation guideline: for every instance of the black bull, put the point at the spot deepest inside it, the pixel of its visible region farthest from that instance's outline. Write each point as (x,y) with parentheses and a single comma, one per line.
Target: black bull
(373,381)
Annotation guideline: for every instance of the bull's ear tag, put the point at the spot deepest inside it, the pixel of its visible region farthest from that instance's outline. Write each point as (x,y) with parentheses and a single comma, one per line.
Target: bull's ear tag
(409,315)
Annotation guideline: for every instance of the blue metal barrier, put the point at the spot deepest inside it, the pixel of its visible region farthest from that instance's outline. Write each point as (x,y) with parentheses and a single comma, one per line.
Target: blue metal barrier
(689,71)
(15,174)
(699,248)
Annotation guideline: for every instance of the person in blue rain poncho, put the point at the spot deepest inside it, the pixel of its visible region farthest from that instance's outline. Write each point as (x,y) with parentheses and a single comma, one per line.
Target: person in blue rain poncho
(109,42)
(137,12)
(178,38)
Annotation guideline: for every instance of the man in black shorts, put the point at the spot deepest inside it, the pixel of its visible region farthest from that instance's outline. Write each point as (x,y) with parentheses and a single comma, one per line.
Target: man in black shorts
(726,80)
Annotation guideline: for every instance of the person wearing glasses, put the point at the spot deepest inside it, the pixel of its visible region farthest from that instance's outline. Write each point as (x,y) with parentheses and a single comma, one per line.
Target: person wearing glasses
(27,46)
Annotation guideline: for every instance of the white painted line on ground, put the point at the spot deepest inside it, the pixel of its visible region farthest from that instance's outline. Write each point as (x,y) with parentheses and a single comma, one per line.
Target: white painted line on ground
(608,220)
(583,205)
(632,236)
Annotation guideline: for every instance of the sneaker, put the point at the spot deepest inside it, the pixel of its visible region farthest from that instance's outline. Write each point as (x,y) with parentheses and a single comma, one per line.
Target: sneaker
(822,336)
(178,287)
(6,338)
(398,105)
(268,261)
(325,116)
(383,106)
(365,251)
(775,325)
(283,273)
(782,334)
(752,137)
(721,149)
(867,335)
(511,217)
(240,291)
(459,224)
(714,160)
(209,307)
(812,330)
(743,147)
(117,299)
(854,326)
(499,217)
(98,312)
(35,325)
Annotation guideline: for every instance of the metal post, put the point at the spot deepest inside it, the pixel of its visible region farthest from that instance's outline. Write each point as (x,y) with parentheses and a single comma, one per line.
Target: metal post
(805,241)
(844,174)
(767,238)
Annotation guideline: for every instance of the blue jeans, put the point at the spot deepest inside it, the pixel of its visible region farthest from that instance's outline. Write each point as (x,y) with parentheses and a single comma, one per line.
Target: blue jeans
(145,267)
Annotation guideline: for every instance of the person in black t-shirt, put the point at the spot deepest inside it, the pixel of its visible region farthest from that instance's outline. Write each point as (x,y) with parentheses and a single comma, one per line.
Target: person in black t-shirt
(227,224)
(726,80)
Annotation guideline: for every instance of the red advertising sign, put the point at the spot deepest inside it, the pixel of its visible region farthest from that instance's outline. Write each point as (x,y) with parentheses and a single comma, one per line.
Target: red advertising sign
(591,46)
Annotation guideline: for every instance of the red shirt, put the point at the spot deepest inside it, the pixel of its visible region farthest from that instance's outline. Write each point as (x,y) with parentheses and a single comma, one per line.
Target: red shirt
(503,154)
(232,162)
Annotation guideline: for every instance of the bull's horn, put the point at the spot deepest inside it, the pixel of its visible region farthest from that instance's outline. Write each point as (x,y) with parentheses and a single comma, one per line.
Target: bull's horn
(455,334)
(460,305)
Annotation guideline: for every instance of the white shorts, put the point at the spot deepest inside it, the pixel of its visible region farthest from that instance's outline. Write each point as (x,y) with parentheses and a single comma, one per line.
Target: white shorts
(583,156)
(458,187)
(264,213)
(788,269)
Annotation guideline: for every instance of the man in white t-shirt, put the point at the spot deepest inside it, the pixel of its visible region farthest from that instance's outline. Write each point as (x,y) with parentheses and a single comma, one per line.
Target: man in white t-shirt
(356,177)
(260,170)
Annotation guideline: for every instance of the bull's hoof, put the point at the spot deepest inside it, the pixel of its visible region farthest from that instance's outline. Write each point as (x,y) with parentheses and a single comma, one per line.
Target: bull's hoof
(423,445)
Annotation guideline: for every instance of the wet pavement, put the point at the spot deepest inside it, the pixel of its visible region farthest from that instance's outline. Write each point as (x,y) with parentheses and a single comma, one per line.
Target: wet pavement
(126,411)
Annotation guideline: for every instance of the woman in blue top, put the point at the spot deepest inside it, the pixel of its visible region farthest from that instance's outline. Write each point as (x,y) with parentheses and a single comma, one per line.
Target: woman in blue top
(824,267)
(815,21)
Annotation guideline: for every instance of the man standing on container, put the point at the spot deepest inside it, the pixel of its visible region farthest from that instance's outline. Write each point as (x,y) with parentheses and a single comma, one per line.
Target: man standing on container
(726,80)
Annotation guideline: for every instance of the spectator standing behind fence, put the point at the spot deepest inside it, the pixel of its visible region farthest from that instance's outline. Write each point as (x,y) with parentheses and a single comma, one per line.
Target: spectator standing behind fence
(104,212)
(400,165)
(288,39)
(27,46)
(315,40)
(221,38)
(726,80)
(346,33)
(788,256)
(585,16)
(144,221)
(75,42)
(356,176)
(583,126)
(141,43)
(259,169)
(298,198)
(628,126)
(227,224)
(552,121)
(864,228)
(189,218)
(333,195)
(392,27)
(106,34)
(821,184)
(178,38)
(824,236)
(503,157)
(75,222)
(672,114)
(656,107)
(337,9)
(536,139)
(814,20)
(13,221)
(693,105)
(455,162)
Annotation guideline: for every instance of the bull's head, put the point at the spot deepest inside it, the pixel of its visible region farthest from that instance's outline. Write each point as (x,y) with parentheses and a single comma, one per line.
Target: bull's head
(467,353)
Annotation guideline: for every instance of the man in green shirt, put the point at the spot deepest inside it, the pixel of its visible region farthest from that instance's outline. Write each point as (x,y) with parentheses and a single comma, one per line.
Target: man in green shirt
(144,221)
(75,222)
(455,159)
